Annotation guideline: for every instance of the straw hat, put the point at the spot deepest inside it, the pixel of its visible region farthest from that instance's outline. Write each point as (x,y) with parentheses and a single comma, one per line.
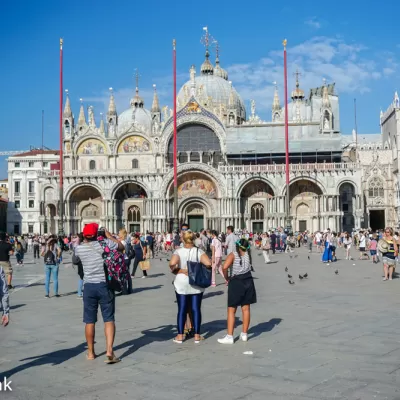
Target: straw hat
(383,246)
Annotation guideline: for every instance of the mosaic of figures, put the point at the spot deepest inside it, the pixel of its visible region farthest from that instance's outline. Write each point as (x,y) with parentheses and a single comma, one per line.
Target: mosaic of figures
(194,185)
(134,144)
(92,146)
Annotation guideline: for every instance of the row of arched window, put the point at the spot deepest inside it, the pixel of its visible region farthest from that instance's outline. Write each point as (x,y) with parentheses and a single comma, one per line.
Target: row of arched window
(135,164)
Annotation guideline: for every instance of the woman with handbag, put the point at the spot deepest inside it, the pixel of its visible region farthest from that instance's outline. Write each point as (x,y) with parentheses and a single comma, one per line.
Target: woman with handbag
(266,246)
(241,289)
(140,251)
(187,295)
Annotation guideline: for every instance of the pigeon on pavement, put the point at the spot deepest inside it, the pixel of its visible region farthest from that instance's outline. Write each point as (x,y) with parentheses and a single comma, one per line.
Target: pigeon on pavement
(291,282)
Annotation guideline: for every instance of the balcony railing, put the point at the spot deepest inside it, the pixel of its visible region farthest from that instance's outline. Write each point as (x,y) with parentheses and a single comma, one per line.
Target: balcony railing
(105,172)
(266,168)
(311,167)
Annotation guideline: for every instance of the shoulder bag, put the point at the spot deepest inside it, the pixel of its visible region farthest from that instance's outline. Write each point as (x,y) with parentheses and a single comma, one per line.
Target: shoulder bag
(145,264)
(199,275)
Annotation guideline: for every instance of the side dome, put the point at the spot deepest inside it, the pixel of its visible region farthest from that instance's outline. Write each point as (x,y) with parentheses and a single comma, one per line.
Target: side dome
(135,114)
(214,89)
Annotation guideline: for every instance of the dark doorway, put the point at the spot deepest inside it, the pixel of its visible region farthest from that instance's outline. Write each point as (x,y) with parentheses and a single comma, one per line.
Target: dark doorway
(258,227)
(347,206)
(302,226)
(196,222)
(134,228)
(377,219)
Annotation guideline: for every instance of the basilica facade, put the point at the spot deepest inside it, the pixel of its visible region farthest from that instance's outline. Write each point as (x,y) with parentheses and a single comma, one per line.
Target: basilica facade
(231,165)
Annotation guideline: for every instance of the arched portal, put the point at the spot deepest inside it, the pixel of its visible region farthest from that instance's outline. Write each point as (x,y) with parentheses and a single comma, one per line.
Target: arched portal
(197,194)
(255,204)
(196,141)
(85,206)
(347,206)
(304,198)
(49,219)
(130,207)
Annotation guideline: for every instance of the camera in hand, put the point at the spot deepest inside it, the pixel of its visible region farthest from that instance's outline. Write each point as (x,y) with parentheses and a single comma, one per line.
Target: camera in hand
(101,232)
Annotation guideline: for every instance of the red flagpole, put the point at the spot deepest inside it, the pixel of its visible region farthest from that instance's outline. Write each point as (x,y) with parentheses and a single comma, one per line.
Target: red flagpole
(61,210)
(176,221)
(286,133)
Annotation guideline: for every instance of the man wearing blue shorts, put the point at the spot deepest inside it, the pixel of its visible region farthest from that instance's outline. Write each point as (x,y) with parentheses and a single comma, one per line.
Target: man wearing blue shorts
(96,290)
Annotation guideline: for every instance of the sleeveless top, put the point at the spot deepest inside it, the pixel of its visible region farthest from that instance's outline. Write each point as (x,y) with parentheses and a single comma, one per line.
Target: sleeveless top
(241,265)
(390,252)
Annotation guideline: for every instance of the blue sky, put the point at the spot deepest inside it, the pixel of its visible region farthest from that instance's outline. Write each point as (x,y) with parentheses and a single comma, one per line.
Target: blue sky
(352,43)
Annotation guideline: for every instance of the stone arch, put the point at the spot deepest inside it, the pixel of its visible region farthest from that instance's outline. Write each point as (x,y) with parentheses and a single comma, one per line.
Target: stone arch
(346,180)
(316,181)
(119,184)
(247,181)
(203,211)
(72,189)
(195,183)
(376,187)
(192,167)
(257,211)
(47,199)
(193,119)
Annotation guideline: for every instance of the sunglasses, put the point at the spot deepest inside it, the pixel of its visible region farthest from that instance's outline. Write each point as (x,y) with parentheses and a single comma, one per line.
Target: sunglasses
(184,229)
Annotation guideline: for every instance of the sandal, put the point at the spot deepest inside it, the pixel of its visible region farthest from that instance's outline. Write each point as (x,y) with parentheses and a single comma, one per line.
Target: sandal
(177,341)
(112,359)
(90,358)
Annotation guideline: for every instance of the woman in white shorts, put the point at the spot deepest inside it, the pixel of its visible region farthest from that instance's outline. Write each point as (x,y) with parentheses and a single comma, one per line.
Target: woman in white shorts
(347,241)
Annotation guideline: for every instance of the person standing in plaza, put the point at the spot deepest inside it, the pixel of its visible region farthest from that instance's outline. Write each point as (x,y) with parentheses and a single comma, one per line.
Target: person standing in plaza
(187,296)
(96,290)
(273,242)
(230,241)
(140,254)
(389,255)
(347,242)
(266,246)
(51,266)
(373,247)
(6,249)
(216,258)
(241,290)
(19,252)
(4,298)
(36,247)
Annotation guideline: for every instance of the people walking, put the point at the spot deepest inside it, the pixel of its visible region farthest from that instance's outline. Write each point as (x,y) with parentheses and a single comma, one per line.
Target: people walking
(389,255)
(4,298)
(187,296)
(96,290)
(140,254)
(36,247)
(241,290)
(51,257)
(6,249)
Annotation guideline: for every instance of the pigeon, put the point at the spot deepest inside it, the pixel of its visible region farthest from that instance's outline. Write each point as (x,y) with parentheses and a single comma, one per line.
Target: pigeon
(291,282)
(300,277)
(296,255)
(168,259)
(290,276)
(286,269)
(308,257)
(305,275)
(160,259)
(291,256)
(259,254)
(337,272)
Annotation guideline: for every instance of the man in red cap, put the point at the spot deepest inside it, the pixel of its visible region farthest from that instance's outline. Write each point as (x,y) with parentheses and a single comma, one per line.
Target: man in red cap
(97,292)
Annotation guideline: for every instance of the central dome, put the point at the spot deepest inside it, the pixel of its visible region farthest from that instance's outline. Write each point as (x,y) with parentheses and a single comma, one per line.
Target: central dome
(215,89)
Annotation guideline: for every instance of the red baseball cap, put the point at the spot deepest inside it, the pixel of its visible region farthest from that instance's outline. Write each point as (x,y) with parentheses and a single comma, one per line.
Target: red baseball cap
(90,230)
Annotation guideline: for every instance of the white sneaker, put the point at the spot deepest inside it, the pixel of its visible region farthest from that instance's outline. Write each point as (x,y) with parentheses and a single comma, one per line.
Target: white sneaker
(144,277)
(226,340)
(244,337)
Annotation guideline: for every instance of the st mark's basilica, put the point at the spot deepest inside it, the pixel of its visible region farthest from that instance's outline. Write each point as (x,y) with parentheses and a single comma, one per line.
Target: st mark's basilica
(231,164)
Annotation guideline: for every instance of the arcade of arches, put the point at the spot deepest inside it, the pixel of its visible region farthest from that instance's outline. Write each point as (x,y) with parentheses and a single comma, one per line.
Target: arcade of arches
(201,203)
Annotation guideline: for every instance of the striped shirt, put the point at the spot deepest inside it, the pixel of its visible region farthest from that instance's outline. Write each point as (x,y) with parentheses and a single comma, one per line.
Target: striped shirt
(91,256)
(241,265)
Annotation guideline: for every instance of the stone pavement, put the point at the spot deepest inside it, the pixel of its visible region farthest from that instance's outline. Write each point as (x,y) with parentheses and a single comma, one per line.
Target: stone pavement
(327,337)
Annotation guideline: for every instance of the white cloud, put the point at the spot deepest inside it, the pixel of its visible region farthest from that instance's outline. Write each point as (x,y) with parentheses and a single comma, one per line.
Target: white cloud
(313,23)
(349,65)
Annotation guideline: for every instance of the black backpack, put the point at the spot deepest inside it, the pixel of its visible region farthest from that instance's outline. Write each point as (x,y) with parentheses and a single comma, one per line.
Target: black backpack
(49,258)
(129,251)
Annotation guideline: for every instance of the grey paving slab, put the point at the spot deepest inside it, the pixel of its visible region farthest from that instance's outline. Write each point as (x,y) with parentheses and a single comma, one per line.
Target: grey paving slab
(327,337)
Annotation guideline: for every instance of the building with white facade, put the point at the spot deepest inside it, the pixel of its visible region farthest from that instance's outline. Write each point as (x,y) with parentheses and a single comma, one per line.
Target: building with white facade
(24,207)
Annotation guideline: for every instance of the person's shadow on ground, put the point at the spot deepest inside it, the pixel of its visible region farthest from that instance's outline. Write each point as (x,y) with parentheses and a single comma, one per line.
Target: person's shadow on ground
(263,327)
(53,358)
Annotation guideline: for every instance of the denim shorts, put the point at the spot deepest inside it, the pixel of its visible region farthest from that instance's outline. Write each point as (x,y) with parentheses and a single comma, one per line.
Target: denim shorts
(372,252)
(93,295)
